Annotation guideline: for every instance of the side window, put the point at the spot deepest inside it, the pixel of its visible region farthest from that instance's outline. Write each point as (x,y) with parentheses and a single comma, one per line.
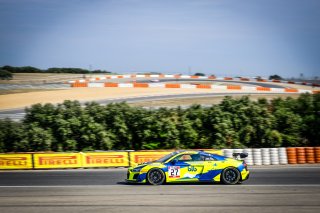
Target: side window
(207,158)
(194,157)
(197,157)
(186,157)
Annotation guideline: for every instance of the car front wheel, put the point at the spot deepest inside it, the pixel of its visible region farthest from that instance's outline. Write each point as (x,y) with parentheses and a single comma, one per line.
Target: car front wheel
(230,176)
(156,177)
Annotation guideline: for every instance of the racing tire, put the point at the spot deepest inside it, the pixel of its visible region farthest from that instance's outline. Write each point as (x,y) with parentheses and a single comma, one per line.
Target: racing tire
(230,176)
(156,177)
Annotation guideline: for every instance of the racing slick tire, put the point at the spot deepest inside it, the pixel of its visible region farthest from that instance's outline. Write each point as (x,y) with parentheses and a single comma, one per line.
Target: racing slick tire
(230,176)
(156,177)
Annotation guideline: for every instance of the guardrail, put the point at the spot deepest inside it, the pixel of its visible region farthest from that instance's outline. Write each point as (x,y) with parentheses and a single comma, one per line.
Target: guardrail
(91,82)
(262,156)
(277,156)
(190,77)
(192,86)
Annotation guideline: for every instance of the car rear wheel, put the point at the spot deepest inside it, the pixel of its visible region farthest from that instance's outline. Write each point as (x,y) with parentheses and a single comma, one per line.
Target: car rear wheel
(230,176)
(156,177)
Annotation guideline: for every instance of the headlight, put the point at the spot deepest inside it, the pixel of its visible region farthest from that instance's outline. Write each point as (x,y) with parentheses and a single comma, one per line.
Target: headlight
(137,169)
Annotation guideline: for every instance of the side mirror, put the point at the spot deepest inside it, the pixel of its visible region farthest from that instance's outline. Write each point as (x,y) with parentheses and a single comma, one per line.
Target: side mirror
(174,161)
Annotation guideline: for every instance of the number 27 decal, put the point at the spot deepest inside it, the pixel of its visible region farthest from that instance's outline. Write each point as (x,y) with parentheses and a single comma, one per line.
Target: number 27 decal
(174,171)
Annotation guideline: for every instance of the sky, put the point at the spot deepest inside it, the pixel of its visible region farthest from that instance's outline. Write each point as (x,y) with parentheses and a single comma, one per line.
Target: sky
(221,37)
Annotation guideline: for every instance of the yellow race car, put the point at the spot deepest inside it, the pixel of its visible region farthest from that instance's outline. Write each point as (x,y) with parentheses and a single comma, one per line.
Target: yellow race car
(190,166)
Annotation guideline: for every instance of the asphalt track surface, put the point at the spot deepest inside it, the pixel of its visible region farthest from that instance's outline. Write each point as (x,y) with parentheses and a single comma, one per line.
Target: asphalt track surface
(18,114)
(269,189)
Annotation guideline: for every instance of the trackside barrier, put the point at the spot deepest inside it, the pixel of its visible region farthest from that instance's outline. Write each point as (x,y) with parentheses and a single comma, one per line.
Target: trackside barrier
(228,153)
(301,155)
(192,86)
(317,154)
(265,154)
(105,159)
(57,160)
(292,155)
(310,155)
(190,77)
(283,159)
(256,156)
(16,161)
(274,156)
(249,159)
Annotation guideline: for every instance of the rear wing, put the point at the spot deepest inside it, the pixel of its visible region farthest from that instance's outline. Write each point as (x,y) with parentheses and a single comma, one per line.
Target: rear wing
(238,156)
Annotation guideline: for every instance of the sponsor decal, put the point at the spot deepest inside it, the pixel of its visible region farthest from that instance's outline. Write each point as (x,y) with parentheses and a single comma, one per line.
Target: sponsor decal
(192,169)
(188,175)
(174,171)
(15,161)
(145,158)
(57,160)
(105,159)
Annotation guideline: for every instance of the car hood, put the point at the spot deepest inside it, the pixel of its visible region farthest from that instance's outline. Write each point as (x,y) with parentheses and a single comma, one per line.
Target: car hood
(151,163)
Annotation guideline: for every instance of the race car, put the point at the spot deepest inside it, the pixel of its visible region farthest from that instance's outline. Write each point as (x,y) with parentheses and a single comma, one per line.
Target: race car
(190,166)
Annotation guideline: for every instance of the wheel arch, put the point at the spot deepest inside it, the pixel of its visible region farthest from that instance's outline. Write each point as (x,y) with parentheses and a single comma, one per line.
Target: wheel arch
(230,167)
(156,168)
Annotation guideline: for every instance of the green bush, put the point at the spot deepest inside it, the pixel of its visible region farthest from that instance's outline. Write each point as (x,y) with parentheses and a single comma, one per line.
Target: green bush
(234,123)
(5,75)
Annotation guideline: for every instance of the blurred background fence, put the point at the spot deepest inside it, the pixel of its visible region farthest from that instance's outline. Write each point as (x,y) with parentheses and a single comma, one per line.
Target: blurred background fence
(262,156)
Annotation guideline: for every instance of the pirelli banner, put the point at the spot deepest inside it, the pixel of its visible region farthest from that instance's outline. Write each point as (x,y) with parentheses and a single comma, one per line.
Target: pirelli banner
(81,160)
(145,156)
(57,160)
(77,160)
(16,161)
(105,159)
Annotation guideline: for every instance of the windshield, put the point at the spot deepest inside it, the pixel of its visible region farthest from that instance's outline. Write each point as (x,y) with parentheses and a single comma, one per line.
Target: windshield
(166,157)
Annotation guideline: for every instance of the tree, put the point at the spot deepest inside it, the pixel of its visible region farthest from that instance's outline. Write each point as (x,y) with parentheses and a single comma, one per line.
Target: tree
(5,75)
(36,139)
(275,77)
(11,135)
(199,74)
(289,125)
(234,123)
(27,69)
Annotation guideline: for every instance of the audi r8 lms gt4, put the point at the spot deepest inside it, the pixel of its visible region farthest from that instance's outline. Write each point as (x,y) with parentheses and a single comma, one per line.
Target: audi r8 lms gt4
(190,166)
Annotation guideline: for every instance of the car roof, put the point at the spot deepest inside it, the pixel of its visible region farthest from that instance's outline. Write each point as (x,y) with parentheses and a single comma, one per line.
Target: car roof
(193,152)
(196,152)
(187,152)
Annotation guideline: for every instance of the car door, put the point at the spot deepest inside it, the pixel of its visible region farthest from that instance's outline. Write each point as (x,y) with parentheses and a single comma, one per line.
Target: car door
(186,167)
(212,168)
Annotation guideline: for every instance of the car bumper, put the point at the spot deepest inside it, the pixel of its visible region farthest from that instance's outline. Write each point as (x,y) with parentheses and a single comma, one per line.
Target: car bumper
(245,175)
(135,177)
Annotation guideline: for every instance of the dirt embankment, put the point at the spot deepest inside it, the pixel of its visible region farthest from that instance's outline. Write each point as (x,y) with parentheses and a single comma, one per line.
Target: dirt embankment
(84,94)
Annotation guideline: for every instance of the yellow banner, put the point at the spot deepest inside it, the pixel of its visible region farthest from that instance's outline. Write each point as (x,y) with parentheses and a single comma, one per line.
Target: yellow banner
(61,160)
(15,161)
(105,159)
(141,157)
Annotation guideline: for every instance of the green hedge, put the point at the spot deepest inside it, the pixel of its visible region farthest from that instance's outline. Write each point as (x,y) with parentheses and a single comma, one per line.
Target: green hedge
(29,69)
